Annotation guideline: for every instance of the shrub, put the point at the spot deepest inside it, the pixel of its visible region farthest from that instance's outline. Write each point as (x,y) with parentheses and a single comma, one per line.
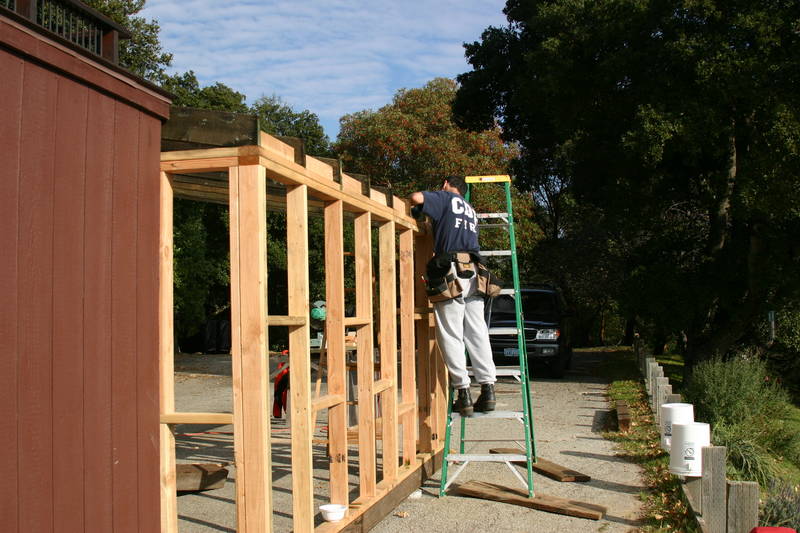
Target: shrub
(748,412)
(781,507)
(735,390)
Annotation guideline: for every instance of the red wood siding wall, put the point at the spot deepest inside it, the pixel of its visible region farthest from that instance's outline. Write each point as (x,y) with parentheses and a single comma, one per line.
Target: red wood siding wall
(79,216)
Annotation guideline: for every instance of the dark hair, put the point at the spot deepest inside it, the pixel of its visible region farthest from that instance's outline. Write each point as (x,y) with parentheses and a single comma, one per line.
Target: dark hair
(457,182)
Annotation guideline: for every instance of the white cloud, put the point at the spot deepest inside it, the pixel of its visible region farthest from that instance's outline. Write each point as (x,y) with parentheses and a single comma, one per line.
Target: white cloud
(332,57)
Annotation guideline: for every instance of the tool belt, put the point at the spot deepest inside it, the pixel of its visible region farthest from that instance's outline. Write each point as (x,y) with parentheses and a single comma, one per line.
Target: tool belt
(442,283)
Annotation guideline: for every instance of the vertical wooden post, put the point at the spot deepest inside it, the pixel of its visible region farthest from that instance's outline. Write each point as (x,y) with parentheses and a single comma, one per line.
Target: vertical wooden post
(334,323)
(661,385)
(166,354)
(742,506)
(300,358)
(673,398)
(365,357)
(388,336)
(249,348)
(409,389)
(714,489)
(424,356)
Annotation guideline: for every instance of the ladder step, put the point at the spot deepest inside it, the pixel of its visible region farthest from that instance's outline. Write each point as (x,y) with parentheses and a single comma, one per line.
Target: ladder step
(501,371)
(496,253)
(486,458)
(502,225)
(503,331)
(511,415)
(492,215)
(510,292)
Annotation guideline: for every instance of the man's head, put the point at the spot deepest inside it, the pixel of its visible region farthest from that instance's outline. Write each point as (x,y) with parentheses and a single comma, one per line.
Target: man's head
(455,184)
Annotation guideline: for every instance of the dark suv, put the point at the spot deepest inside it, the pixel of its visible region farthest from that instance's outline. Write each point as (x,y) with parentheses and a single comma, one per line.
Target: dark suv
(547,329)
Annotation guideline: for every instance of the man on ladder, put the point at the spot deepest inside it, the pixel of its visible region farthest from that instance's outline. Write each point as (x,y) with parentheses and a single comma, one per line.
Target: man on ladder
(457,287)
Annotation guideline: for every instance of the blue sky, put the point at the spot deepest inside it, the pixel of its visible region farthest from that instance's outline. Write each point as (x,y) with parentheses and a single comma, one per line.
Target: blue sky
(332,57)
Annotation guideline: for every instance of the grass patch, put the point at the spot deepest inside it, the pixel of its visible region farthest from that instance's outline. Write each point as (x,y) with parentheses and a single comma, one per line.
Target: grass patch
(672,363)
(665,507)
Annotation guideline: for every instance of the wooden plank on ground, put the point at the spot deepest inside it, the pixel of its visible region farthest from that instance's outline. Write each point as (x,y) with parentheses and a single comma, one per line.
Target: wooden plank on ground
(540,502)
(200,476)
(547,468)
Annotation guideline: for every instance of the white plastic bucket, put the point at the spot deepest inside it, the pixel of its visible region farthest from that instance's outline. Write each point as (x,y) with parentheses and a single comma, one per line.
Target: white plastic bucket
(688,441)
(674,413)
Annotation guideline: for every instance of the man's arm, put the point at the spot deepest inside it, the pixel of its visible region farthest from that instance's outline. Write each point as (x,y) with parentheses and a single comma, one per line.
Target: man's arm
(416,198)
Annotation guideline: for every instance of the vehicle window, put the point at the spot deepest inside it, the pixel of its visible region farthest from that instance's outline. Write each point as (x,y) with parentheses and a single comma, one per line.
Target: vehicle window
(538,305)
(503,308)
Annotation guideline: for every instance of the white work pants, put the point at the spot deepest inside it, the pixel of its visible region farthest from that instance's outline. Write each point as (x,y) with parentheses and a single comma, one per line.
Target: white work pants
(459,325)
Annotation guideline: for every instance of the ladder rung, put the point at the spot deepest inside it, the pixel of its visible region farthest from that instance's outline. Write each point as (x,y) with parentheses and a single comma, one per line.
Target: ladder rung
(492,215)
(494,253)
(486,458)
(501,371)
(503,331)
(504,225)
(492,414)
(492,440)
(511,292)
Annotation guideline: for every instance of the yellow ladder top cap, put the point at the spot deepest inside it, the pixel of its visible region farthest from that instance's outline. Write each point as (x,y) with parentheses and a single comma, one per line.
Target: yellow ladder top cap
(488,179)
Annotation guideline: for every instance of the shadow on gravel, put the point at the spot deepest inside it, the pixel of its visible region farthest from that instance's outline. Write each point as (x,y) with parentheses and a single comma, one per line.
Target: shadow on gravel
(613,486)
(599,456)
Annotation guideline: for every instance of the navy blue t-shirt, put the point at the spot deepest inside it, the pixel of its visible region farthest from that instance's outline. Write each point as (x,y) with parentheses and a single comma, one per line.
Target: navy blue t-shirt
(455,224)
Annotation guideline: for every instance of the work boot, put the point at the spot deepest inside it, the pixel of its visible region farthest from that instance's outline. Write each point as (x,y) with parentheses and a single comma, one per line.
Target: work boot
(463,403)
(486,401)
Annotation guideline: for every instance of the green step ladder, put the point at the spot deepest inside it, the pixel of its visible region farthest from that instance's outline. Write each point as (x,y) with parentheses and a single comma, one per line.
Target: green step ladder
(520,374)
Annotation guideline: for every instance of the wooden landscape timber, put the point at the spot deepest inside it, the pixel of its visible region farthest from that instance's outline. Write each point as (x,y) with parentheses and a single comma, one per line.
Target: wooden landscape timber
(397,328)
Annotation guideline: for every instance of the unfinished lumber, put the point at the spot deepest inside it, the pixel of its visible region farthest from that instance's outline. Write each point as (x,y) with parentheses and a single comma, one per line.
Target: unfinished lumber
(407,357)
(193,477)
(364,356)
(166,361)
(547,468)
(425,340)
(540,502)
(623,416)
(249,344)
(337,372)
(388,351)
(300,358)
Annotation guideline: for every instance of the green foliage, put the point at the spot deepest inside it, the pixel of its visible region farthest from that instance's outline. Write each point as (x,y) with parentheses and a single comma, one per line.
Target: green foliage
(188,93)
(412,143)
(781,507)
(142,53)
(676,125)
(278,118)
(202,264)
(749,412)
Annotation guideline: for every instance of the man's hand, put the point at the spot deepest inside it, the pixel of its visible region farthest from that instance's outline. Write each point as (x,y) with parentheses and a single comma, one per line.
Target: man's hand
(416,212)
(416,198)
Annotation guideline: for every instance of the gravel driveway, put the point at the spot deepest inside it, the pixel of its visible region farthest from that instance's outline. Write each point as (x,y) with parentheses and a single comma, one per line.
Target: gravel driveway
(570,415)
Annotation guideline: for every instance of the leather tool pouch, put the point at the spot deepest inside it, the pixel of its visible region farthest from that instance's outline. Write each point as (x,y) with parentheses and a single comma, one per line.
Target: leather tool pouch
(441,283)
(489,285)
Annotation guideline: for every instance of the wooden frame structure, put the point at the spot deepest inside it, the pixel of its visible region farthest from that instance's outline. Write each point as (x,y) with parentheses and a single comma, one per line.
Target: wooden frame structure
(412,406)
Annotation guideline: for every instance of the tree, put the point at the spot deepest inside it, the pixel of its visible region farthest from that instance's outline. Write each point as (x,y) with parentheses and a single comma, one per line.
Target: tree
(412,144)
(142,53)
(278,118)
(678,120)
(188,93)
